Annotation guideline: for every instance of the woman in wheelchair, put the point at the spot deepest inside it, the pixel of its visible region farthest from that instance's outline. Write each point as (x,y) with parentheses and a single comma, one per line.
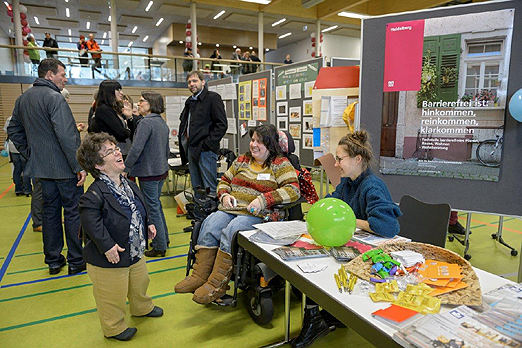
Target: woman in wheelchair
(254,183)
(374,210)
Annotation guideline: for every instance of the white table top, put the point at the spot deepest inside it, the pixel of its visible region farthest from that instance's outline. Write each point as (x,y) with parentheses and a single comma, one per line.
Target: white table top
(363,306)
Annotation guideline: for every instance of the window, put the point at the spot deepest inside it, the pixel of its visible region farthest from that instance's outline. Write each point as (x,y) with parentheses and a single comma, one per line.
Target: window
(483,68)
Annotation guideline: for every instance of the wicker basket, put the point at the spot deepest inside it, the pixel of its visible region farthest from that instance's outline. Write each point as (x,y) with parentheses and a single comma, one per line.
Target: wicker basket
(470,296)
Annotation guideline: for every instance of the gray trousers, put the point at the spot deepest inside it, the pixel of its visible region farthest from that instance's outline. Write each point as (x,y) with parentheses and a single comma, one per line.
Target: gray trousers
(37,203)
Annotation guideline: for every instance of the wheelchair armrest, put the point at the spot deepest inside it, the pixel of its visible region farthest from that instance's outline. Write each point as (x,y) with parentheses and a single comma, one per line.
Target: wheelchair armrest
(287,206)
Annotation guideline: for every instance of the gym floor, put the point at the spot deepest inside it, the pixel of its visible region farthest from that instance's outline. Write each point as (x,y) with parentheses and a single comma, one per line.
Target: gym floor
(41,310)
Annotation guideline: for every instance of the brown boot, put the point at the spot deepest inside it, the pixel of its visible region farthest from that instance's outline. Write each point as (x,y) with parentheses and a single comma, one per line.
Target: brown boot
(201,270)
(216,285)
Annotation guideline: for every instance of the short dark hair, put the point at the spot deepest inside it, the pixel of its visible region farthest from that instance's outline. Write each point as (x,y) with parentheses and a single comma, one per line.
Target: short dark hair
(269,136)
(155,101)
(49,64)
(196,72)
(106,95)
(88,153)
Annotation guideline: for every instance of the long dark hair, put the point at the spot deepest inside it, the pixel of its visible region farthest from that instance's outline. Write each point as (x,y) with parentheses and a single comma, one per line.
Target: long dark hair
(106,95)
(270,138)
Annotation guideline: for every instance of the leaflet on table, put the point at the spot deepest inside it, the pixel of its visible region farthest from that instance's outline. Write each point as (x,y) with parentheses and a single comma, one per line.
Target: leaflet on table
(292,253)
(282,229)
(375,240)
(262,237)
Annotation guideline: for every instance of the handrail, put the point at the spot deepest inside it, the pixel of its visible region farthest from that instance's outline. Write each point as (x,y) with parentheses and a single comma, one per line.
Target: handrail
(52,49)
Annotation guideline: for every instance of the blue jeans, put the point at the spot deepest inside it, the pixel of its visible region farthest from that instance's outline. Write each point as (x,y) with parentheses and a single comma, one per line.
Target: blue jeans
(203,172)
(219,228)
(152,192)
(58,194)
(22,182)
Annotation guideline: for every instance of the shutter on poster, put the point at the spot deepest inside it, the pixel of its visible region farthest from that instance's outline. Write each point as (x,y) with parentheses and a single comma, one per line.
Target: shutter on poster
(448,66)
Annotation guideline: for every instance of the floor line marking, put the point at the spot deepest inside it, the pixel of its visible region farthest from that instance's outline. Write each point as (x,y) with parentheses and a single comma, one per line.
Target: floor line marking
(9,257)
(493,225)
(7,190)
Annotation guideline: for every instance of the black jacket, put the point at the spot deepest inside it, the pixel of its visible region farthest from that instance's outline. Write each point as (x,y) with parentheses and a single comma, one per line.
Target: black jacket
(106,120)
(105,223)
(208,124)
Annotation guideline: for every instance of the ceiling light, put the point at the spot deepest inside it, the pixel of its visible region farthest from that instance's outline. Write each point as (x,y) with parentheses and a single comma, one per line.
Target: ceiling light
(149,6)
(88,25)
(134,29)
(284,35)
(70,40)
(104,34)
(234,46)
(6,4)
(69,31)
(278,22)
(145,38)
(267,49)
(159,22)
(199,43)
(66,0)
(262,2)
(217,45)
(180,41)
(130,44)
(109,18)
(36,20)
(67,14)
(329,28)
(250,48)
(352,15)
(219,14)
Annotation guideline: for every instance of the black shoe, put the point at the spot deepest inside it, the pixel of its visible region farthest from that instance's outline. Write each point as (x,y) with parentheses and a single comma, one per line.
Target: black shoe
(76,269)
(188,229)
(314,327)
(155,253)
(126,335)
(457,229)
(154,313)
(332,321)
(55,269)
(19,194)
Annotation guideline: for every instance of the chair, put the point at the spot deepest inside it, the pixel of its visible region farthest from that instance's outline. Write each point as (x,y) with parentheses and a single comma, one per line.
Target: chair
(177,170)
(424,222)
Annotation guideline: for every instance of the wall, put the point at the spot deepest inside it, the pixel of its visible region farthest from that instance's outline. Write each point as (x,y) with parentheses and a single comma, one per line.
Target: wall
(6,59)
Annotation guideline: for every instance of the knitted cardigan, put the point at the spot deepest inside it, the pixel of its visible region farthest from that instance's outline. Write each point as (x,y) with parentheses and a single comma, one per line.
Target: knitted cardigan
(275,184)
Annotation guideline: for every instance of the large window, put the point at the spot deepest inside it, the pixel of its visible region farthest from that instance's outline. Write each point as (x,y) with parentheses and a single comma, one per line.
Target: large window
(483,66)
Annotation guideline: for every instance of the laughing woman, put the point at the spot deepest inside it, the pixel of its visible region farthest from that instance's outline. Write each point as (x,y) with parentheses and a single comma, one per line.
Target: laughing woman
(115,227)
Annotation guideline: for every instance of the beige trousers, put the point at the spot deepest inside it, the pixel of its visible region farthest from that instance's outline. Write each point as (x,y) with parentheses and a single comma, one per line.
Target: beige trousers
(111,288)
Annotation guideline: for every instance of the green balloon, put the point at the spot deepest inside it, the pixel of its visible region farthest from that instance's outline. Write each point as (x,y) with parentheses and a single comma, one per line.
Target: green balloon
(331,222)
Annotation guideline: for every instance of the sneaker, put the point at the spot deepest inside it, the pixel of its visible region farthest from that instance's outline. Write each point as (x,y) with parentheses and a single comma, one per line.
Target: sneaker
(155,253)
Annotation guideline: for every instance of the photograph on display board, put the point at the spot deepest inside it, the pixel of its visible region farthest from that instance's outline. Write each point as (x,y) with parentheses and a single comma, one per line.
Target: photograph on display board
(308,87)
(295,114)
(295,130)
(255,88)
(295,91)
(255,102)
(255,113)
(445,90)
(307,107)
(261,114)
(282,123)
(308,124)
(297,143)
(262,102)
(308,141)
(281,92)
(282,109)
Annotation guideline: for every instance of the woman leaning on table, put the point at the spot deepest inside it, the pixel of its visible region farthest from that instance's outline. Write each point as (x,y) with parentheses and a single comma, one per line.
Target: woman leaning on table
(374,210)
(115,229)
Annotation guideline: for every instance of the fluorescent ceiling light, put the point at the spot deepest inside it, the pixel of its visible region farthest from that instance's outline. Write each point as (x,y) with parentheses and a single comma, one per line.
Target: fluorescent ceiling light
(180,41)
(70,40)
(6,4)
(145,38)
(130,44)
(134,29)
(149,6)
(36,20)
(267,49)
(88,25)
(284,35)
(352,15)
(278,22)
(250,48)
(104,34)
(66,0)
(69,31)
(219,14)
(109,18)
(217,45)
(262,2)
(67,14)
(329,28)
(159,22)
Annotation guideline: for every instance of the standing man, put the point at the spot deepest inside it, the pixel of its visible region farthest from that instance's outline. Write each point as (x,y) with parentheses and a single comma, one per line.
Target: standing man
(203,124)
(255,58)
(93,47)
(51,43)
(44,131)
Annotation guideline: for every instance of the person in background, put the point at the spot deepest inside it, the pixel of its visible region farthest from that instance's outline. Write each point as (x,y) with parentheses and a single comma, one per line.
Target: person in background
(93,47)
(203,124)
(34,55)
(255,58)
(235,70)
(247,68)
(288,60)
(188,63)
(148,160)
(115,227)
(217,70)
(110,114)
(51,43)
(44,131)
(82,51)
(244,201)
(91,109)
(80,125)
(454,225)
(135,118)
(374,210)
(21,180)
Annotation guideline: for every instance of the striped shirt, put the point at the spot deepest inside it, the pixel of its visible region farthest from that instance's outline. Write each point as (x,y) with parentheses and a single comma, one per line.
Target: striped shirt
(246,181)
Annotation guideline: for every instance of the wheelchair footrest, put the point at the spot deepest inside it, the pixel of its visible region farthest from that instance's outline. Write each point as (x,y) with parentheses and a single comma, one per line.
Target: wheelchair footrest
(225,301)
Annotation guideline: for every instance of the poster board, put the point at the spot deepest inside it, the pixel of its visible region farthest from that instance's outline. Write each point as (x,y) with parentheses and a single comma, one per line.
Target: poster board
(340,61)
(293,92)
(228,91)
(173,107)
(502,197)
(253,105)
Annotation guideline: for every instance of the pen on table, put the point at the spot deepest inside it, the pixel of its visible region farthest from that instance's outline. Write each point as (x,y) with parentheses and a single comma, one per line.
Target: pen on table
(338,282)
(351,283)
(342,277)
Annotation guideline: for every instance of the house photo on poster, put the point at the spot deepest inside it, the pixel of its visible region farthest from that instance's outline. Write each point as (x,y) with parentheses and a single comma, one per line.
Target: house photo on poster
(445,86)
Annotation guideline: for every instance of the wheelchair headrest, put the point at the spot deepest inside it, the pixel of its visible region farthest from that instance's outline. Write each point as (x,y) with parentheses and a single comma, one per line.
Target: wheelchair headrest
(286,142)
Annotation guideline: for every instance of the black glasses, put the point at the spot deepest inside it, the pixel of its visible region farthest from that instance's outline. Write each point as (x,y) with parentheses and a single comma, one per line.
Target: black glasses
(339,159)
(111,151)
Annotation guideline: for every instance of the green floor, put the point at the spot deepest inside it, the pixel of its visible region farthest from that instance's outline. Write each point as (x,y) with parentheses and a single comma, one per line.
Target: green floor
(39,310)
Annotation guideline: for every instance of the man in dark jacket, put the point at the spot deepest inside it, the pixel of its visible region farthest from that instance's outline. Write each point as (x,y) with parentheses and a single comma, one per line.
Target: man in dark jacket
(50,42)
(203,124)
(44,131)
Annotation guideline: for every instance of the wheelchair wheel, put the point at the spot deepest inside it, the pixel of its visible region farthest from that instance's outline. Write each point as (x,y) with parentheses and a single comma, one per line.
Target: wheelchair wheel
(260,308)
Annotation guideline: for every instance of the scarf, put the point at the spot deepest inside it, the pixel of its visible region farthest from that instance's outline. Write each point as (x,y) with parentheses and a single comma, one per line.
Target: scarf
(125,197)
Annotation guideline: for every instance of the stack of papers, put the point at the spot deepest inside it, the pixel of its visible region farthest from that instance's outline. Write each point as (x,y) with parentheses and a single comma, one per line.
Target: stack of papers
(443,277)
(283,229)
(375,240)
(407,258)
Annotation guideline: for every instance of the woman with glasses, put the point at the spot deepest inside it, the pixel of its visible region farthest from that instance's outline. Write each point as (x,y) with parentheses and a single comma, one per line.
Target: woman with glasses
(115,227)
(148,161)
(374,210)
